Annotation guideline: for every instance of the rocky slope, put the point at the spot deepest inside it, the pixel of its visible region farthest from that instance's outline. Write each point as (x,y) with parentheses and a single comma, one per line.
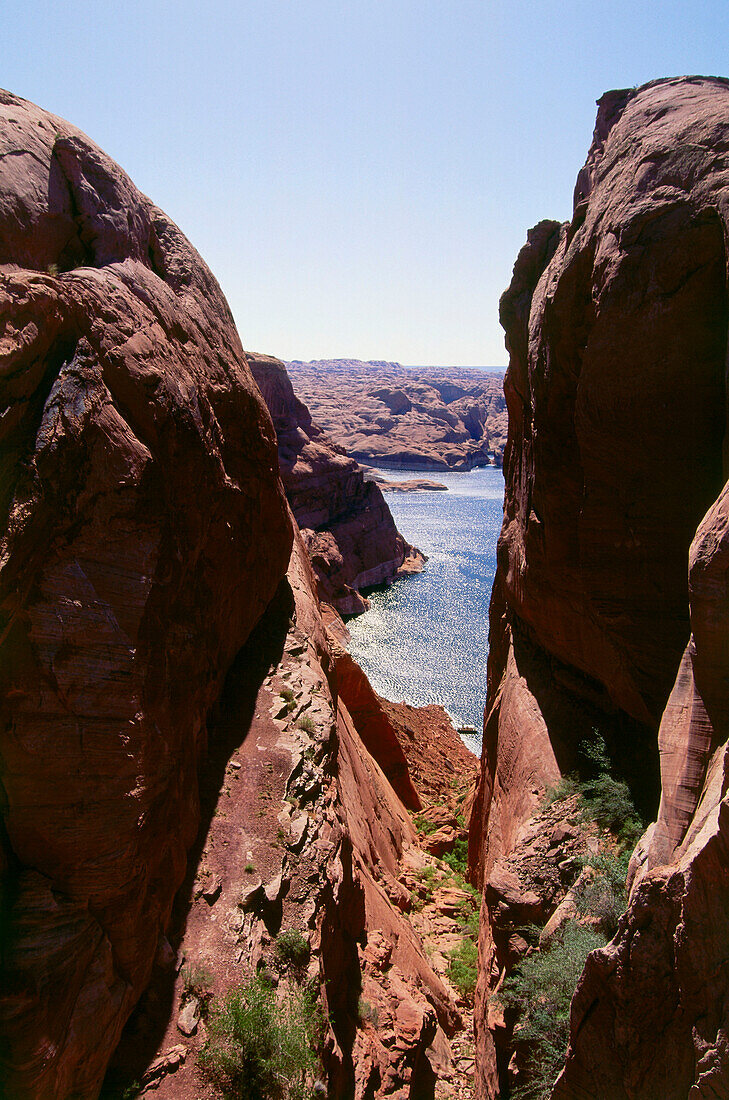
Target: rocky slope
(302,830)
(616,326)
(345,522)
(144,531)
(182,778)
(409,418)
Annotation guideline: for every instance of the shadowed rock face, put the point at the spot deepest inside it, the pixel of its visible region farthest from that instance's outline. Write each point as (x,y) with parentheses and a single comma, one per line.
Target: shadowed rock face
(617,331)
(143,531)
(347,527)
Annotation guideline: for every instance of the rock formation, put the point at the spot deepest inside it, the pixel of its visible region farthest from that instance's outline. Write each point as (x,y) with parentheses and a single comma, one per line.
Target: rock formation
(616,324)
(347,527)
(303,830)
(182,778)
(144,531)
(407,418)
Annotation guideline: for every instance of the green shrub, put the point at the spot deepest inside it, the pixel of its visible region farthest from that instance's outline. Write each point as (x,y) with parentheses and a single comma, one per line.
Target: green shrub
(259,1049)
(605,896)
(292,948)
(424,826)
(539,991)
(607,800)
(565,788)
(463,968)
(289,698)
(457,860)
(306,723)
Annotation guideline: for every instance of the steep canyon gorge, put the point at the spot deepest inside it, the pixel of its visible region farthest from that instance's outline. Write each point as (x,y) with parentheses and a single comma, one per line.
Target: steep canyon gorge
(609,607)
(192,763)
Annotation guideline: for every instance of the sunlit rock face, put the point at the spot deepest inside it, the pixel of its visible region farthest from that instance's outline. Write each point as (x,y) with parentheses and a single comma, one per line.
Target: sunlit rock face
(143,530)
(617,330)
(347,527)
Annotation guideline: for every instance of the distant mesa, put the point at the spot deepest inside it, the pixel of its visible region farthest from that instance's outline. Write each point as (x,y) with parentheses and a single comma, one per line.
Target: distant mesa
(407,418)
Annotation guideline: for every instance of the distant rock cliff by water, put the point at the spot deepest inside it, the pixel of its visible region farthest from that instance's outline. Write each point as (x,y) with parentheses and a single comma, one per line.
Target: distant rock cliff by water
(609,609)
(407,418)
(346,524)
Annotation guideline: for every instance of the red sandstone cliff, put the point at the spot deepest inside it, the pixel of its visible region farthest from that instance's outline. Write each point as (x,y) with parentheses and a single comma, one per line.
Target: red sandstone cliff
(347,527)
(144,531)
(157,596)
(617,331)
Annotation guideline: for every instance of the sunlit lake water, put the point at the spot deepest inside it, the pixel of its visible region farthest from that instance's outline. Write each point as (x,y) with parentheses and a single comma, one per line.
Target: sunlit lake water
(424,640)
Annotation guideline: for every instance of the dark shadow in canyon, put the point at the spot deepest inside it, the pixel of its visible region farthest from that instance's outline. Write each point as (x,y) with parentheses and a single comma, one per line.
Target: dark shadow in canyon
(229,723)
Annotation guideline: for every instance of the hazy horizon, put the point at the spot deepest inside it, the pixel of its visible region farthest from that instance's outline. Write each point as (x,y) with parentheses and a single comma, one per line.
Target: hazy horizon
(358,175)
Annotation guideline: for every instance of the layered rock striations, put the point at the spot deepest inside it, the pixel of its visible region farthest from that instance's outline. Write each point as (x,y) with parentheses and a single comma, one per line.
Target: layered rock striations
(348,529)
(144,531)
(616,324)
(409,418)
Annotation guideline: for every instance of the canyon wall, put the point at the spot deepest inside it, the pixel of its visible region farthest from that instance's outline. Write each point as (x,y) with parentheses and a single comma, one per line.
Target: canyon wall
(348,529)
(616,325)
(182,778)
(144,532)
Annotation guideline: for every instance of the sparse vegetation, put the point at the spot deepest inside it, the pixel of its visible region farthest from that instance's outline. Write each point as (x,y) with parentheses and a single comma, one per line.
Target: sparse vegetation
(463,960)
(604,897)
(306,723)
(196,982)
(249,869)
(565,788)
(289,698)
(424,826)
(260,1048)
(292,948)
(539,992)
(463,967)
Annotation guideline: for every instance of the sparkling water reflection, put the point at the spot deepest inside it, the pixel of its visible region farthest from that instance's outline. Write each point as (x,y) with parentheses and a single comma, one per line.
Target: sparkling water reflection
(424,640)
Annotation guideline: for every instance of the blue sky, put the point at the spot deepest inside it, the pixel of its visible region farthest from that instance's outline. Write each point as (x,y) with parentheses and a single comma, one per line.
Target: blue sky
(359,176)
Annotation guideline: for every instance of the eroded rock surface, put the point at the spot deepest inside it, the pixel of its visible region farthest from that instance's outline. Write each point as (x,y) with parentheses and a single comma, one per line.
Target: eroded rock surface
(303,831)
(617,331)
(143,532)
(408,418)
(348,529)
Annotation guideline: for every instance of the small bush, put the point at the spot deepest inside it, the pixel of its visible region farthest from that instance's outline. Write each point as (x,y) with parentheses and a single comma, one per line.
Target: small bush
(567,786)
(259,1049)
(367,1013)
(289,698)
(463,968)
(605,897)
(539,991)
(306,723)
(292,948)
(424,826)
(457,860)
(196,982)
